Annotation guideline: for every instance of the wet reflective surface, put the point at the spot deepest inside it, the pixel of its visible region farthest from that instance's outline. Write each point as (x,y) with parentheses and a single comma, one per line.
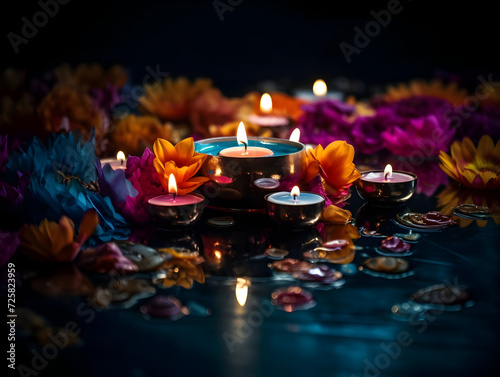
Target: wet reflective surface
(239,296)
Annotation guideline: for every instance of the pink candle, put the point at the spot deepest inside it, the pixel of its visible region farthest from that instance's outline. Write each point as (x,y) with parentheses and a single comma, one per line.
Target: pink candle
(168,200)
(387,176)
(379,177)
(245,150)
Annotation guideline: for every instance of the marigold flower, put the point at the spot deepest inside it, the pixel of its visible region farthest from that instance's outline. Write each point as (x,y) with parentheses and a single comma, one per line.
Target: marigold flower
(67,102)
(335,165)
(170,100)
(182,161)
(473,167)
(133,134)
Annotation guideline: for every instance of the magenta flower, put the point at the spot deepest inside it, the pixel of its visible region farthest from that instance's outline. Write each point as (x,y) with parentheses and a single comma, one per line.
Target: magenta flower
(367,132)
(144,178)
(418,137)
(9,242)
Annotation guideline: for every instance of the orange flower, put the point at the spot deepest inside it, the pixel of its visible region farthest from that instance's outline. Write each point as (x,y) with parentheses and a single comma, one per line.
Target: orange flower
(335,165)
(181,161)
(51,241)
(133,134)
(435,88)
(171,99)
(283,104)
(76,106)
(475,168)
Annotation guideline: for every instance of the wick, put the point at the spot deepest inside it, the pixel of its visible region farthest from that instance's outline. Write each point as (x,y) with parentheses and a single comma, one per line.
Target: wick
(122,161)
(294,198)
(387,176)
(174,194)
(245,144)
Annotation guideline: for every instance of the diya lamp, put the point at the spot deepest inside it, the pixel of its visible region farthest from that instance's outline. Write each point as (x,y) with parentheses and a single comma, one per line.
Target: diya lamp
(270,119)
(294,209)
(174,211)
(242,170)
(387,187)
(120,162)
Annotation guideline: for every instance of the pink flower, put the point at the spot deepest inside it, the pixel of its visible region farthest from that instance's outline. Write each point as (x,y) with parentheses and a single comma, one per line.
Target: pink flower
(144,178)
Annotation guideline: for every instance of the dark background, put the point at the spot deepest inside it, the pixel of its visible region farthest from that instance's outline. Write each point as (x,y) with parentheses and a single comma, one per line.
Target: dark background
(289,42)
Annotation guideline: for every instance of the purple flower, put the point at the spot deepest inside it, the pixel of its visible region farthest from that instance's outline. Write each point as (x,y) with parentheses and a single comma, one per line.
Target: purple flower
(325,121)
(106,98)
(418,137)
(478,123)
(144,178)
(113,183)
(367,132)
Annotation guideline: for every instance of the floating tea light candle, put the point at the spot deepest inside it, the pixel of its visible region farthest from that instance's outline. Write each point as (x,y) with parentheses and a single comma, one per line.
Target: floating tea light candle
(295,209)
(245,151)
(386,187)
(174,210)
(120,162)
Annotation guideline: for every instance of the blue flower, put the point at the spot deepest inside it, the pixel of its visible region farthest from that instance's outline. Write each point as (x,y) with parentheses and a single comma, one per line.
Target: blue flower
(114,184)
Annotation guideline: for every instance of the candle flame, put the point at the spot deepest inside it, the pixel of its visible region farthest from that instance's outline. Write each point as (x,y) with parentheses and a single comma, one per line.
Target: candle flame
(172,184)
(319,88)
(266,103)
(387,172)
(120,156)
(241,134)
(295,136)
(295,192)
(242,290)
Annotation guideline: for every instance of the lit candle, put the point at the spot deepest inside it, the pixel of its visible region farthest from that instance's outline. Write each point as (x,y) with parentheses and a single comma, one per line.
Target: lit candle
(120,162)
(388,176)
(267,117)
(386,187)
(295,209)
(319,91)
(175,210)
(245,150)
(172,199)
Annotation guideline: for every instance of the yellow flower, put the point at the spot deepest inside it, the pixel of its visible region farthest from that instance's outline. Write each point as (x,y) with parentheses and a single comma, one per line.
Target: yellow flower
(335,165)
(133,134)
(475,168)
(435,88)
(455,195)
(170,100)
(182,271)
(51,241)
(182,161)
(76,106)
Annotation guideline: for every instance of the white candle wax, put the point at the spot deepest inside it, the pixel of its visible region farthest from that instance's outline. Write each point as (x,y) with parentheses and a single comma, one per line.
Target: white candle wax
(305,198)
